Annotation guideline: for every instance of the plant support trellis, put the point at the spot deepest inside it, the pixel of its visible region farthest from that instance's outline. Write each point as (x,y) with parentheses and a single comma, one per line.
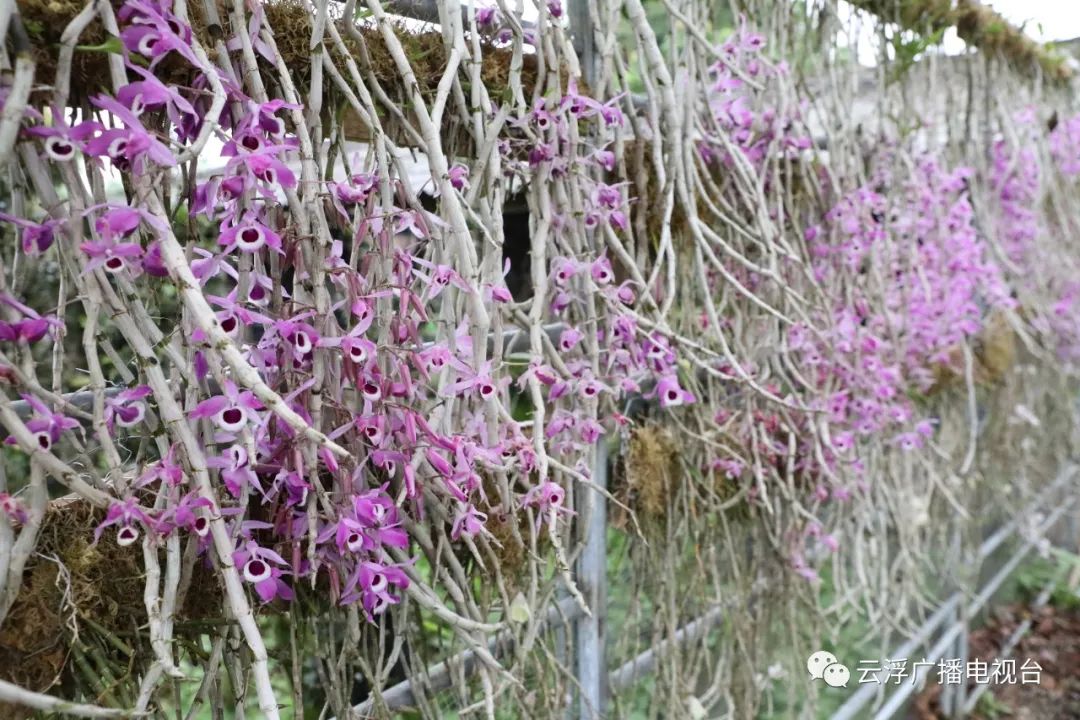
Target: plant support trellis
(288,433)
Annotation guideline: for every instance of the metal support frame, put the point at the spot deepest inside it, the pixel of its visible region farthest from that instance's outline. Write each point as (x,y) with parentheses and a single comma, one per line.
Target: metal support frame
(592,581)
(958,608)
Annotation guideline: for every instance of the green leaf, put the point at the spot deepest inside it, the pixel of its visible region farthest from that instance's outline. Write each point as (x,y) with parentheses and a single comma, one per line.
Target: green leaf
(112,45)
(519,610)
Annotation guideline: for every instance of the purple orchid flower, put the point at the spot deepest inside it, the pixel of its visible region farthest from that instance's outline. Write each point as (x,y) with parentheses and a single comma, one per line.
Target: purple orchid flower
(152,93)
(154,32)
(127,147)
(128,516)
(468,521)
(300,336)
(378,515)
(374,585)
(13,510)
(441,277)
(152,262)
(236,471)
(208,265)
(127,408)
(36,237)
(230,411)
(459,177)
(260,567)
(601,271)
(547,498)
(671,393)
(184,515)
(233,316)
(217,191)
(167,471)
(262,162)
(569,339)
(479,382)
(249,235)
(57,140)
(46,425)
(112,256)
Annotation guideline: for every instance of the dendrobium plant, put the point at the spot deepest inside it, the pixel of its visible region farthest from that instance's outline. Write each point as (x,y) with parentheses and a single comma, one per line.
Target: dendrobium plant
(330,389)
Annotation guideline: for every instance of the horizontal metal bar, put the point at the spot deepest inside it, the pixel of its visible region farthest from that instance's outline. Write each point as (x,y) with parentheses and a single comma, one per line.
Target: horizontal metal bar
(633,670)
(1006,650)
(441,675)
(854,705)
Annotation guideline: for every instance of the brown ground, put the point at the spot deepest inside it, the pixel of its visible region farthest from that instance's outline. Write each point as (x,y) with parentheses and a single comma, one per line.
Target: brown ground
(1053,642)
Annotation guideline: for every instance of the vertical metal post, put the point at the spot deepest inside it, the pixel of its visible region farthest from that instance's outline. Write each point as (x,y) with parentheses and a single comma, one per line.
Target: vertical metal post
(581,29)
(591,573)
(592,581)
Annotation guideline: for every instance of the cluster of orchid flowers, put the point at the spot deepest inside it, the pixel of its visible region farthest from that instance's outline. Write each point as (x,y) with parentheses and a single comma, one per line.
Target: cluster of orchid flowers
(906,305)
(1016,176)
(755,130)
(380,389)
(914,300)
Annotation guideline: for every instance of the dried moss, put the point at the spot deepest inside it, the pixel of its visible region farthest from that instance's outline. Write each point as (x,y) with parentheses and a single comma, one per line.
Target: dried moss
(978,25)
(994,354)
(46,21)
(650,470)
(69,580)
(291,24)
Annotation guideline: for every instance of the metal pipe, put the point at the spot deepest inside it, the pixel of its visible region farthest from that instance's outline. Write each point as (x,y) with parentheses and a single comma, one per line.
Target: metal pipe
(592,581)
(441,676)
(632,671)
(854,705)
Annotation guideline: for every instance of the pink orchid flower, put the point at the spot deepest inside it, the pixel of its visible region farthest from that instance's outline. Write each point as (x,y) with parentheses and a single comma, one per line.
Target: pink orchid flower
(127,408)
(231,411)
(128,516)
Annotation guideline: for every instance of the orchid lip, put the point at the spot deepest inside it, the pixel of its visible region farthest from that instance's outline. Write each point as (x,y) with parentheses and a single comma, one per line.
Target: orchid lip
(202,527)
(114,264)
(250,238)
(239,456)
(354,542)
(126,536)
(44,441)
(146,44)
(59,149)
(255,571)
(231,419)
(117,147)
(140,414)
(379,583)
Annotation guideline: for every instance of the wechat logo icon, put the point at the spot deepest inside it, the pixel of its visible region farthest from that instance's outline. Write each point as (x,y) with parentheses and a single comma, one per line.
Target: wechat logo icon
(823,665)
